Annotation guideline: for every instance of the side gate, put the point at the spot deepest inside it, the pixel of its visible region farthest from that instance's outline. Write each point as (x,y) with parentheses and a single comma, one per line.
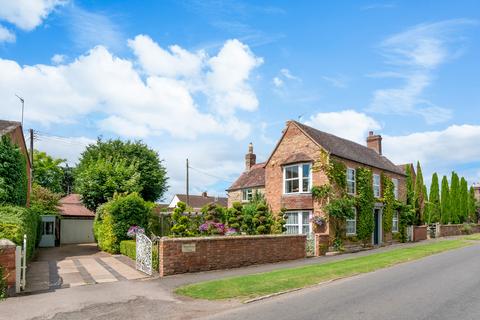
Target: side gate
(144,248)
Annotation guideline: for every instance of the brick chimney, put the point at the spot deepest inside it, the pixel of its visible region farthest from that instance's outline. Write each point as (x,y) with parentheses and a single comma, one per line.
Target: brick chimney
(250,158)
(374,141)
(204,194)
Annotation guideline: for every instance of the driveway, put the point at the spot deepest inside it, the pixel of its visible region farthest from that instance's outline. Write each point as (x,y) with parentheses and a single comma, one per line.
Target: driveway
(76,265)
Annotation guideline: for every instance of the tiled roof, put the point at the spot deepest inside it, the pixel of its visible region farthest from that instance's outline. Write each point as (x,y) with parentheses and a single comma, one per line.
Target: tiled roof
(71,206)
(349,150)
(255,177)
(8,126)
(197,202)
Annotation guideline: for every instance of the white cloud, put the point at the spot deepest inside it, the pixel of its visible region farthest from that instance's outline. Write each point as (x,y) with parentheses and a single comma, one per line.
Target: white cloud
(6,35)
(287,74)
(348,124)
(277,82)
(129,104)
(416,52)
(58,59)
(27,14)
(68,148)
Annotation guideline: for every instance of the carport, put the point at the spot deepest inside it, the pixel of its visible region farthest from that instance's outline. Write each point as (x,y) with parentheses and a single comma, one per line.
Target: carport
(76,225)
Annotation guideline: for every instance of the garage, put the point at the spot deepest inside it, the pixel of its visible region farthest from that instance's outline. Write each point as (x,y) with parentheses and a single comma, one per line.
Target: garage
(76,224)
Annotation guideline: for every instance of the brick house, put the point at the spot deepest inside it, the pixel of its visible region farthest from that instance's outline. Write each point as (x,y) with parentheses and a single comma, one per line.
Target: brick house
(14,130)
(289,178)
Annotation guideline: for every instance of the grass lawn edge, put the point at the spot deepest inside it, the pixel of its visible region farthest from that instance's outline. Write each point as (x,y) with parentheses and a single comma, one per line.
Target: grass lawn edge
(254,286)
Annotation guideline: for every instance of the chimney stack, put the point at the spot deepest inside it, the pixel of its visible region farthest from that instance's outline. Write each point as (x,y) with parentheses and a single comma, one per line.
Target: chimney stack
(204,194)
(374,141)
(250,158)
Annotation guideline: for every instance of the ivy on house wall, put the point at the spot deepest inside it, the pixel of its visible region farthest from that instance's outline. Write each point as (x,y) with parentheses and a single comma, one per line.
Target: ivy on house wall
(388,203)
(337,173)
(365,205)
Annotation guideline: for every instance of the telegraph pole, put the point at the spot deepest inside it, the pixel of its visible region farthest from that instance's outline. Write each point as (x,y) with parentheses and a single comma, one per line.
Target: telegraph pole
(30,182)
(188,196)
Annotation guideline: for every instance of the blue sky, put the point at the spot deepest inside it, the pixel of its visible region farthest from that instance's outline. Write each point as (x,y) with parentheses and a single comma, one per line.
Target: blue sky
(201,79)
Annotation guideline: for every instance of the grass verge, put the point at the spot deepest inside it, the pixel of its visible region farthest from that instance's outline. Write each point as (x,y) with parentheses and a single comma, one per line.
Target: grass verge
(474,237)
(256,285)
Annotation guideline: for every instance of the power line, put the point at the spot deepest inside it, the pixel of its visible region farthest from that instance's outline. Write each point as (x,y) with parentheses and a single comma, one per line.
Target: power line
(211,175)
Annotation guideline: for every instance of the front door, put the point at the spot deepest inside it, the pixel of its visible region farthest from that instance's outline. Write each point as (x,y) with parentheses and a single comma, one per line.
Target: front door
(376,233)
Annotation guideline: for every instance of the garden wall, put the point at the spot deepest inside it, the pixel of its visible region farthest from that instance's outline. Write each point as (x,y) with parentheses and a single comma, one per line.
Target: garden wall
(182,255)
(448,230)
(7,261)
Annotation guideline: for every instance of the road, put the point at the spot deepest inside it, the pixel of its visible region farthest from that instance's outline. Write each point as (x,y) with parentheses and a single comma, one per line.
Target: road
(443,286)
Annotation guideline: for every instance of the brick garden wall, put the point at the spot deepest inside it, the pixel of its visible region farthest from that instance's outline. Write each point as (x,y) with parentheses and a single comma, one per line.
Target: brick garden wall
(448,230)
(7,261)
(182,255)
(419,233)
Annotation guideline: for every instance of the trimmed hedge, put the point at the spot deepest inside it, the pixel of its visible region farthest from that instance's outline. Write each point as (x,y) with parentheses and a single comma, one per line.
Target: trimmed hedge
(128,248)
(17,221)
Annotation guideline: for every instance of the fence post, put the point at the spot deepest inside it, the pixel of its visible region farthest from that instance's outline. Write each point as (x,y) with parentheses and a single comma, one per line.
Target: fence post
(18,268)
(24,265)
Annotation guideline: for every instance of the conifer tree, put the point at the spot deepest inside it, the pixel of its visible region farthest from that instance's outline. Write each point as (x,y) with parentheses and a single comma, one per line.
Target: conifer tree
(472,207)
(419,195)
(434,200)
(410,186)
(445,202)
(463,203)
(454,198)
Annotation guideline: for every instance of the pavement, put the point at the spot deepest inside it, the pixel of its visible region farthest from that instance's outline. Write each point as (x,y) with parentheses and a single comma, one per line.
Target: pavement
(76,265)
(439,287)
(401,290)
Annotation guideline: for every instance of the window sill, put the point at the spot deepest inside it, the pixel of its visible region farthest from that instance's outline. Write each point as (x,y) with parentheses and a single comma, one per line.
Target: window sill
(297,193)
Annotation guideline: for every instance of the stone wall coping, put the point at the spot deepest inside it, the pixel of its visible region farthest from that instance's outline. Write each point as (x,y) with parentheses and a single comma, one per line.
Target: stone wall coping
(6,243)
(242,237)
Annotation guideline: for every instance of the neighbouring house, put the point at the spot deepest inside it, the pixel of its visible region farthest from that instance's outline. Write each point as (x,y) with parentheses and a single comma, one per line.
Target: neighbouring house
(76,223)
(250,181)
(476,188)
(288,175)
(196,202)
(15,131)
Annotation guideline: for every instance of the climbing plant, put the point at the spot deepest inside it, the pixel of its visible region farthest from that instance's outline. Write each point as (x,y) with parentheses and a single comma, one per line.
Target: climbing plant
(339,210)
(365,205)
(388,203)
(337,173)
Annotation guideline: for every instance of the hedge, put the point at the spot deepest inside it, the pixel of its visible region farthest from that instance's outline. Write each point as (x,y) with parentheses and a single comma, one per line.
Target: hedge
(128,248)
(17,221)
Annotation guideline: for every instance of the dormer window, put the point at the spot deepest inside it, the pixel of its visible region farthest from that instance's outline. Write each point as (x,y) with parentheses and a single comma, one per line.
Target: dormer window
(297,178)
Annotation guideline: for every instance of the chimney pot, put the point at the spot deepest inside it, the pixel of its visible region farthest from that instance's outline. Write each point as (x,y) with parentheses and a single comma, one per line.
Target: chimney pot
(250,158)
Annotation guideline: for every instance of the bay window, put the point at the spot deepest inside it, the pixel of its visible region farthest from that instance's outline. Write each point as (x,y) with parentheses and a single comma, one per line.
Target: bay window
(297,178)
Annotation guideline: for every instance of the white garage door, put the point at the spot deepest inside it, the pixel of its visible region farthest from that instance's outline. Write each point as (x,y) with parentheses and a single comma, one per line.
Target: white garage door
(76,231)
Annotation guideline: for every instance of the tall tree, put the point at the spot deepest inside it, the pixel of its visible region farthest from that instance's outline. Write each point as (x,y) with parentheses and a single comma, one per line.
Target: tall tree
(123,158)
(434,199)
(47,171)
(13,174)
(68,179)
(445,202)
(410,186)
(472,207)
(419,195)
(455,198)
(463,200)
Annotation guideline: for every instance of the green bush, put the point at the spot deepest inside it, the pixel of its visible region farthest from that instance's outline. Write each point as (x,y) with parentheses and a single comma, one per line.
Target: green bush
(13,174)
(128,248)
(115,217)
(17,221)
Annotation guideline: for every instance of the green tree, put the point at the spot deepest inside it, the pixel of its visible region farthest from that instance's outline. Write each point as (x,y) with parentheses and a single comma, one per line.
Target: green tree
(410,186)
(463,200)
(152,180)
(47,171)
(455,198)
(445,202)
(472,208)
(13,174)
(68,179)
(434,200)
(98,181)
(419,196)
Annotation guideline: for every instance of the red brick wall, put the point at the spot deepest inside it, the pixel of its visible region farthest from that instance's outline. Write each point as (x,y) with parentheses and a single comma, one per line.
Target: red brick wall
(215,253)
(419,233)
(456,230)
(7,261)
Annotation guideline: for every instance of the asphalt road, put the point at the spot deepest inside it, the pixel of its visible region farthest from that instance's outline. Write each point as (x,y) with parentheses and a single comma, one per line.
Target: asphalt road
(443,286)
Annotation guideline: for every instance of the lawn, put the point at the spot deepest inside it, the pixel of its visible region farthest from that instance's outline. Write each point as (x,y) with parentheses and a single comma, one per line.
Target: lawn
(256,285)
(473,237)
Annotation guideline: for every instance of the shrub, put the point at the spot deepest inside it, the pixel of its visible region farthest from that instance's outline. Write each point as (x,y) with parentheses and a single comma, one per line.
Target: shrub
(17,221)
(235,216)
(13,174)
(115,217)
(466,228)
(183,224)
(128,248)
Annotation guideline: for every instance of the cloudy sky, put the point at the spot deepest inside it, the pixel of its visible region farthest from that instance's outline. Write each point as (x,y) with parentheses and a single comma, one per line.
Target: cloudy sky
(202,79)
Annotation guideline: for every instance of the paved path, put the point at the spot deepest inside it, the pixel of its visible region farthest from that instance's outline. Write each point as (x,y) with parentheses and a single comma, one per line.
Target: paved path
(443,286)
(76,265)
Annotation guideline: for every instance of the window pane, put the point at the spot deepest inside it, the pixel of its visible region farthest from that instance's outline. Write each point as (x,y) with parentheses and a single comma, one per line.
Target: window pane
(305,185)
(292,229)
(291,172)
(306,217)
(292,218)
(305,229)
(306,170)
(350,187)
(291,186)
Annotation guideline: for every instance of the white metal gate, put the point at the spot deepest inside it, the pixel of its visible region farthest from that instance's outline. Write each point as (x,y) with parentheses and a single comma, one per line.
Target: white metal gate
(144,253)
